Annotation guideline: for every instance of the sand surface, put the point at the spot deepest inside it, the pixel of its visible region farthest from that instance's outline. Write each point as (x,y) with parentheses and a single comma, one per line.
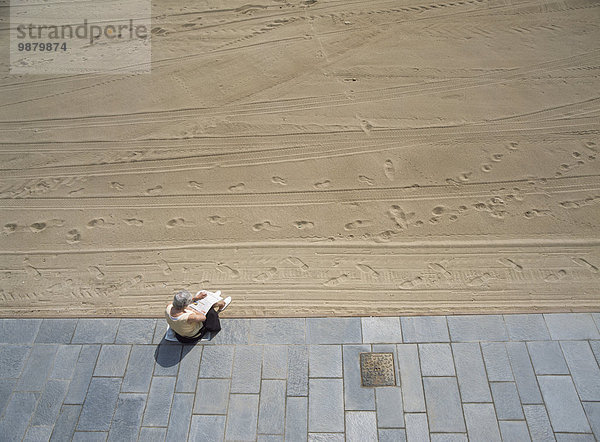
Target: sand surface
(311,159)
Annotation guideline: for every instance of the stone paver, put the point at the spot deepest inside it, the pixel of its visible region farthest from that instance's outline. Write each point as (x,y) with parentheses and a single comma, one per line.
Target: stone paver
(509,377)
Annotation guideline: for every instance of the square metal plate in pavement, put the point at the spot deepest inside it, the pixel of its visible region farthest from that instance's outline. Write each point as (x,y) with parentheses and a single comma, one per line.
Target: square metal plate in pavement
(377,369)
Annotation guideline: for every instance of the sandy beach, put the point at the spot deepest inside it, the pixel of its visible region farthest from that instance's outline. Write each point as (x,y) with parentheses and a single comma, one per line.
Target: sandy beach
(314,158)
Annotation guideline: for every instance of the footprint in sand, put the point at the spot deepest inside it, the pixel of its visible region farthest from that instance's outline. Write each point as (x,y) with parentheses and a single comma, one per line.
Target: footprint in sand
(96,272)
(555,277)
(216,219)
(366,180)
(37,227)
(336,281)
(265,225)
(438,210)
(117,186)
(73,236)
(302,225)
(479,281)
(297,262)
(10,228)
(154,190)
(195,185)
(583,263)
(264,276)
(166,268)
(134,222)
(537,212)
(322,184)
(438,268)
(486,167)
(399,216)
(31,270)
(237,187)
(389,170)
(278,180)
(98,223)
(177,222)
(411,283)
(231,272)
(356,224)
(511,264)
(368,270)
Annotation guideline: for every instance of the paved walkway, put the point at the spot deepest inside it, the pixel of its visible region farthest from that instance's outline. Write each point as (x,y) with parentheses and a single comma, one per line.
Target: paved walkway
(478,378)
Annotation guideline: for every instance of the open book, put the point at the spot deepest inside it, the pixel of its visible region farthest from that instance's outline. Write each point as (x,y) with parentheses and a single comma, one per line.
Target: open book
(205,304)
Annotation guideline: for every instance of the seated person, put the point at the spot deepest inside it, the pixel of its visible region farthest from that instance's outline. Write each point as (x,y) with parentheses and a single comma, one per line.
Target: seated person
(188,324)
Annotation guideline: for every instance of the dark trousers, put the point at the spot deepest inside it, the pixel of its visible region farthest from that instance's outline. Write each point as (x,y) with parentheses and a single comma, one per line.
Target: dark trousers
(211,324)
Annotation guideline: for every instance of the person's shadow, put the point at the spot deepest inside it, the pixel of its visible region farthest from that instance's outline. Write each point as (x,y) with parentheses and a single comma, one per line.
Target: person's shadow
(169,353)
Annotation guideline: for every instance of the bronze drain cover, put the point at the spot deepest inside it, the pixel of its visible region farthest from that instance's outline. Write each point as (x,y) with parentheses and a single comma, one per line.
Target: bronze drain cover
(377,369)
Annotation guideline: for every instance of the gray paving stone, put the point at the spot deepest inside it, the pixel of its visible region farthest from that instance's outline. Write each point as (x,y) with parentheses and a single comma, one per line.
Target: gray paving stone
(472,378)
(6,388)
(410,377)
(449,437)
(167,359)
(565,326)
(19,331)
(392,435)
(444,410)
(596,318)
(208,428)
(212,396)
(506,400)
(481,423)
(136,331)
(157,434)
(538,423)
(13,424)
(477,328)
(271,416)
(297,381)
(128,417)
(436,360)
(380,330)
(326,406)
(325,361)
(242,417)
(112,360)
(56,331)
(274,362)
(326,437)
(12,359)
(95,331)
(333,331)
(526,327)
(389,407)
(592,410)
(564,409)
(181,415)
(496,361)
(584,369)
(568,437)
(247,366)
(216,361)
(48,406)
(425,329)
(547,358)
(140,367)
(416,427)
(514,431)
(38,434)
(188,368)
(596,349)
(296,419)
(361,426)
(90,436)
(269,438)
(159,402)
(99,405)
(233,331)
(65,361)
(356,397)
(66,422)
(159,332)
(523,372)
(277,331)
(37,368)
